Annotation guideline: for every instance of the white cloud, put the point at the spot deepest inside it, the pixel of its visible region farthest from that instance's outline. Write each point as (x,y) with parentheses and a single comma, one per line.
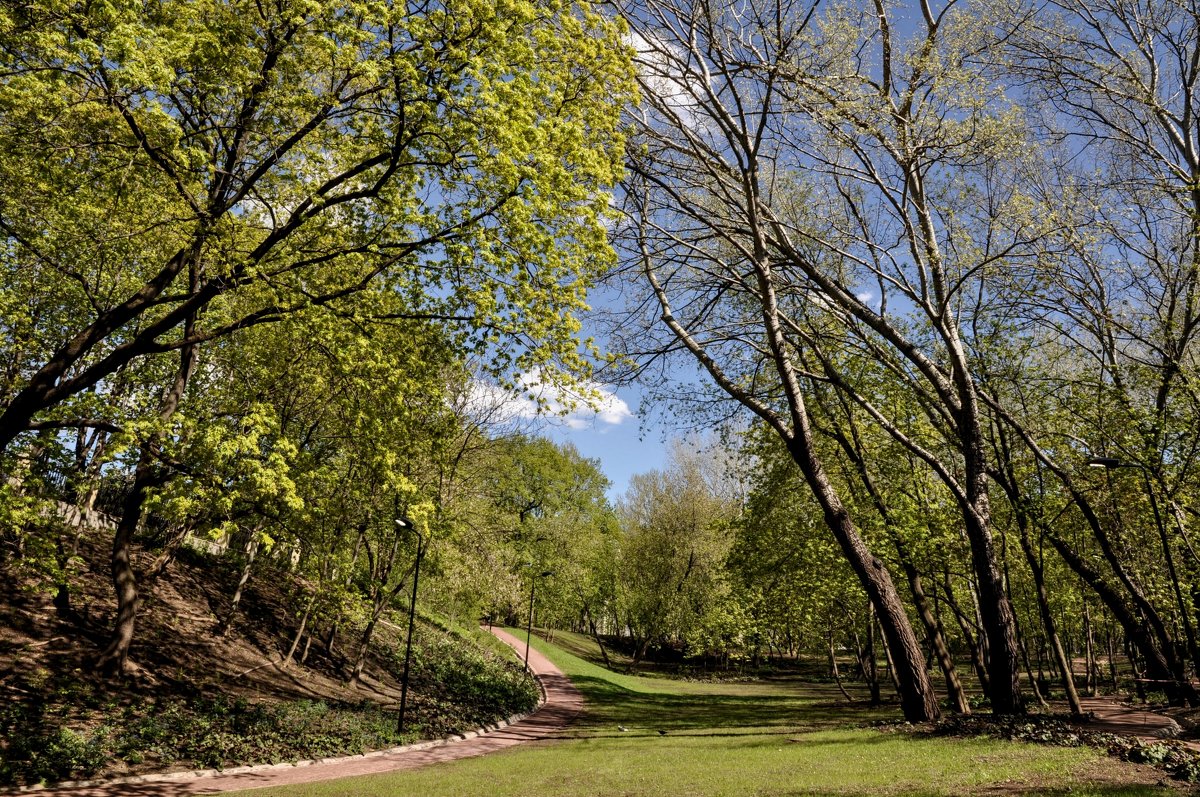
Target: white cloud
(665,77)
(589,404)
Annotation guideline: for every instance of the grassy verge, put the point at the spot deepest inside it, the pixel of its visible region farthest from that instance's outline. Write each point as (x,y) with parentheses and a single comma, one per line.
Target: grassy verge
(777,737)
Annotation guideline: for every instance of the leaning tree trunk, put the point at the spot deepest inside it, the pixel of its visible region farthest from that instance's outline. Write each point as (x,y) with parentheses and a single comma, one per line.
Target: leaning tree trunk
(251,552)
(995,609)
(851,444)
(115,657)
(936,639)
(1043,601)
(917,697)
(1159,662)
(964,627)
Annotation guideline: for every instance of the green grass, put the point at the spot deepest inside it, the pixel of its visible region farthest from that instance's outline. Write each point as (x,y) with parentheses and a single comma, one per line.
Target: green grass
(778,737)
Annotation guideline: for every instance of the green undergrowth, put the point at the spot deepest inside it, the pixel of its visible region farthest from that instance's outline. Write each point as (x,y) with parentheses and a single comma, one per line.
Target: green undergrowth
(1169,755)
(201,732)
(653,737)
(71,729)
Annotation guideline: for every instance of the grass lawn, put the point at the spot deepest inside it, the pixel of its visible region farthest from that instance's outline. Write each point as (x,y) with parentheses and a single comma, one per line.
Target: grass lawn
(778,737)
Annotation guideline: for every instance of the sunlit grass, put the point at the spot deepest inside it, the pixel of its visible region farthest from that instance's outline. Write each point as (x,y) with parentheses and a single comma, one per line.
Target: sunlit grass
(778,737)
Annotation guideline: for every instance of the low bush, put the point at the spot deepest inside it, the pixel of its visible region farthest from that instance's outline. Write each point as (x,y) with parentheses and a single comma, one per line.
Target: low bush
(466,686)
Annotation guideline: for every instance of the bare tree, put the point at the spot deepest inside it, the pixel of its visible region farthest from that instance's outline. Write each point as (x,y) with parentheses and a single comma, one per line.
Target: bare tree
(793,181)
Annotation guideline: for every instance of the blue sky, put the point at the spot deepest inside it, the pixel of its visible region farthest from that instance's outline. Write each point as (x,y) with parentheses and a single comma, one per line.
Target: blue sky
(624,444)
(610,431)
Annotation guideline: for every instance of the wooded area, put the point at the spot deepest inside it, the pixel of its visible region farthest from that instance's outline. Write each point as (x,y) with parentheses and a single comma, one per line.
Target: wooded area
(267,269)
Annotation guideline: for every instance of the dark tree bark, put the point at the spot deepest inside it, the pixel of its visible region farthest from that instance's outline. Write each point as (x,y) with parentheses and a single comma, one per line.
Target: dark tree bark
(115,657)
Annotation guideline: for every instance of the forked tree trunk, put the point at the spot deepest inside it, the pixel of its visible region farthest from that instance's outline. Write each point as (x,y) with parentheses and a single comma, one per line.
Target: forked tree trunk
(252,546)
(300,633)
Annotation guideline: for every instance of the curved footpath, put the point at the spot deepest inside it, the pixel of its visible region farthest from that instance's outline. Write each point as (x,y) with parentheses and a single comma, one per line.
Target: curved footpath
(562,703)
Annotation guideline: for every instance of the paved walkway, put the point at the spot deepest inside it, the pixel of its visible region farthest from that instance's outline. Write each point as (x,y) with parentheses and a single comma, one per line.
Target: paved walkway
(563,703)
(1109,716)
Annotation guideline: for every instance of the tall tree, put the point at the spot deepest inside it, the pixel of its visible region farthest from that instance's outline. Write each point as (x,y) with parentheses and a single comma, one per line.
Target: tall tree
(176,173)
(796,169)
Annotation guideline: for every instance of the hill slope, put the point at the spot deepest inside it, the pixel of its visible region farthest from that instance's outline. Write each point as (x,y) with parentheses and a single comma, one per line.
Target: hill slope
(200,698)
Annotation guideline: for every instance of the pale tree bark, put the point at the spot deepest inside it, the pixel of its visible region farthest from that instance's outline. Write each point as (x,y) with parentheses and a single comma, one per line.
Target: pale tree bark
(1118,81)
(723,208)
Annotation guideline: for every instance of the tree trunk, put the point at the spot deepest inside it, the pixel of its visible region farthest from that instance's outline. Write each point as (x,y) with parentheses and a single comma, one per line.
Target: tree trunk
(1089,652)
(1033,682)
(964,625)
(596,635)
(1043,602)
(252,546)
(866,658)
(364,644)
(996,613)
(833,668)
(300,633)
(115,657)
(891,667)
(852,445)
(917,697)
(1159,662)
(936,638)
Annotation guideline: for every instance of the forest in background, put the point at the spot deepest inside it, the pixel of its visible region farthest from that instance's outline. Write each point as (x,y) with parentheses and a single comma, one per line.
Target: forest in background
(937,266)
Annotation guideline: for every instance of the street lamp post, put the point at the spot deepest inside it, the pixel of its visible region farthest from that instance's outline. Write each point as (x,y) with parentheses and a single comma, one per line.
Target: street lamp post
(529,624)
(412,612)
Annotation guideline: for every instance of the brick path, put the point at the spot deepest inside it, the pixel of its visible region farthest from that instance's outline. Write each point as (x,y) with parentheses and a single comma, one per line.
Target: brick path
(563,702)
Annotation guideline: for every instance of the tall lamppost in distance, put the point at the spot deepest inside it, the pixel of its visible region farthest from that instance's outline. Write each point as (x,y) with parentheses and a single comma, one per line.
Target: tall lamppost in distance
(529,625)
(412,613)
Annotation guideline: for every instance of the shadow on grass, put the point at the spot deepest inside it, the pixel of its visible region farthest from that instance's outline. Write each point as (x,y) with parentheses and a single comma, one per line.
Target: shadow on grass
(796,705)
(1077,790)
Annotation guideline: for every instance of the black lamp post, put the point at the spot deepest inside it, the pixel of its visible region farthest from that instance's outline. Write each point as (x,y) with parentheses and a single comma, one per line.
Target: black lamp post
(412,611)
(529,625)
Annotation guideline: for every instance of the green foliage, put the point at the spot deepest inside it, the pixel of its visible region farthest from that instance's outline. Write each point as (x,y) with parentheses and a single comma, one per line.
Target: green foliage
(673,550)
(219,732)
(474,685)
(53,755)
